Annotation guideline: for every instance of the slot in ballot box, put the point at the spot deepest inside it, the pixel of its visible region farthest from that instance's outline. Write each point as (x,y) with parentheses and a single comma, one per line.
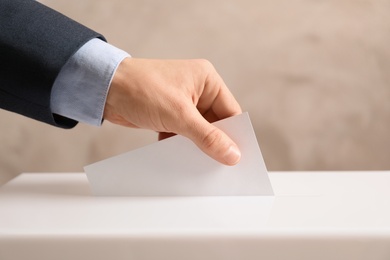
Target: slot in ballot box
(314,215)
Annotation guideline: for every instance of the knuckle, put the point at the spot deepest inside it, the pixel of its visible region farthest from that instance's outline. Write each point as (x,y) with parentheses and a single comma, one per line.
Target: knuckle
(211,139)
(206,64)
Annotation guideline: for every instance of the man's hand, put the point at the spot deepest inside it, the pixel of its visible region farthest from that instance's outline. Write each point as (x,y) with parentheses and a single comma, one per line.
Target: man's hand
(174,97)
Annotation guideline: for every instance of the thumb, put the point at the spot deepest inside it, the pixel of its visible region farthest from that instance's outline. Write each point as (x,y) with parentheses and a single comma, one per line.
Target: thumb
(212,141)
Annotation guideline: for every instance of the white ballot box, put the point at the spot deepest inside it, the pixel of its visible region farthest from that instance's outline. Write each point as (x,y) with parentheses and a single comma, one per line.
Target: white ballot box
(314,215)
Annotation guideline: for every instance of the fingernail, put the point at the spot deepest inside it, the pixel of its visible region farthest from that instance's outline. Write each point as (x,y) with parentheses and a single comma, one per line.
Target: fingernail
(232,155)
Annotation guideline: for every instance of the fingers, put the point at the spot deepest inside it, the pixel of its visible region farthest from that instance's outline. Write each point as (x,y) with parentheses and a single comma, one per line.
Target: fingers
(216,101)
(211,140)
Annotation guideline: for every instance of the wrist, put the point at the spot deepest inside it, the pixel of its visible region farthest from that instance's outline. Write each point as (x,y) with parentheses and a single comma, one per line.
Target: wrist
(119,93)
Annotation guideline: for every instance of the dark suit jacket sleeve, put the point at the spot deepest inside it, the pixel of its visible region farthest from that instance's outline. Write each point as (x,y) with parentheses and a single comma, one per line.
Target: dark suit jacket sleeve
(35,42)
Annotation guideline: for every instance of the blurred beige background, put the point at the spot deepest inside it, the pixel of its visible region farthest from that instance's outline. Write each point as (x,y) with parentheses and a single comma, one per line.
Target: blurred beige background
(314,76)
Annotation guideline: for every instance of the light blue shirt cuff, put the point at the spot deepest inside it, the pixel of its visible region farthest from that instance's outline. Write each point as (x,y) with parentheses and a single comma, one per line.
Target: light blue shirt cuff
(80,90)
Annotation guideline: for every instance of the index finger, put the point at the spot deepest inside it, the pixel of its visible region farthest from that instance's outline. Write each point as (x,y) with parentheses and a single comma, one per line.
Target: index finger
(216,101)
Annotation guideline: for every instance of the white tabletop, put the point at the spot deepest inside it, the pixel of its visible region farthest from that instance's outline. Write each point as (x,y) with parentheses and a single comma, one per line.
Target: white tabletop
(314,215)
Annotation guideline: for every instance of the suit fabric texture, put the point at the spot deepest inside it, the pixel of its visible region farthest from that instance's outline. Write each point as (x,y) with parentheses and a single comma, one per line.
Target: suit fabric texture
(35,43)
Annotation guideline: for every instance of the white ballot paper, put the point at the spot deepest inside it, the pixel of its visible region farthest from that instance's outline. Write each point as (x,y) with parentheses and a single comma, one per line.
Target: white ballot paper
(177,167)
